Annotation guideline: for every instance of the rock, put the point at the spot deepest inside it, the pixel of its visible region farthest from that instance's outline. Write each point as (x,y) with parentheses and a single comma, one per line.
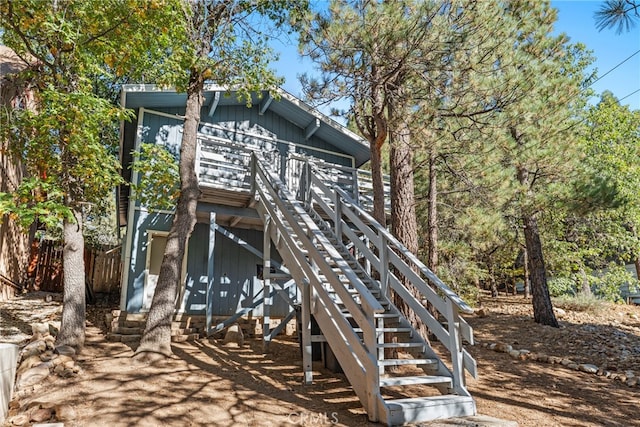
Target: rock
(41,329)
(58,369)
(492,346)
(14,404)
(66,350)
(19,420)
(29,363)
(481,312)
(67,373)
(234,336)
(61,360)
(33,348)
(633,381)
(588,368)
(560,313)
(32,376)
(503,348)
(543,358)
(514,354)
(40,415)
(53,330)
(555,360)
(629,374)
(567,362)
(51,342)
(65,412)
(46,356)
(573,366)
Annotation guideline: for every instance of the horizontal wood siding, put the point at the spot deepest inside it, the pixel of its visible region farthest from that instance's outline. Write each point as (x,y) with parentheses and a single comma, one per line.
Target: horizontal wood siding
(235,281)
(195,295)
(248,120)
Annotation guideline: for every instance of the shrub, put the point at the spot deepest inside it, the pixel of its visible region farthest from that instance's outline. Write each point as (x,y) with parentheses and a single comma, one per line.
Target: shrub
(579,302)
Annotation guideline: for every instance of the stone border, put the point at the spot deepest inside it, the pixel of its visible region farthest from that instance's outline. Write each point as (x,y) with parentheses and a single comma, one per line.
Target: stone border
(628,378)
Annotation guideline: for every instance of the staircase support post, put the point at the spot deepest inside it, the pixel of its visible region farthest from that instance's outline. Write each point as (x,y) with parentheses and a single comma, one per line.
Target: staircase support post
(307,356)
(384,264)
(266,283)
(337,219)
(457,360)
(210,266)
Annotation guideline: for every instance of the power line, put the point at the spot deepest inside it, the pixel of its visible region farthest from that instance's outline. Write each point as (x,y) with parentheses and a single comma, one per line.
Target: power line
(632,93)
(625,60)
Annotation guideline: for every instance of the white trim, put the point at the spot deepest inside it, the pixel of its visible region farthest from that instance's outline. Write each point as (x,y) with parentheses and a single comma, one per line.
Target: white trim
(163,114)
(126,264)
(183,273)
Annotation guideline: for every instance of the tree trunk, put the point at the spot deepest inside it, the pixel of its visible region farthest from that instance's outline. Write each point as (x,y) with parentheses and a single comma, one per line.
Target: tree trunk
(527,277)
(377,182)
(72,327)
(585,288)
(404,223)
(156,338)
(432,262)
(636,262)
(542,307)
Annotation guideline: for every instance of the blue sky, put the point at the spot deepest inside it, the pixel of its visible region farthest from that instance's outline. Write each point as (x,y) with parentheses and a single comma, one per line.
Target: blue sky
(575,18)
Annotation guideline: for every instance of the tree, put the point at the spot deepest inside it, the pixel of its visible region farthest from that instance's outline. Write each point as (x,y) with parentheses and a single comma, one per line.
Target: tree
(621,14)
(536,138)
(68,144)
(605,217)
(224,44)
(407,72)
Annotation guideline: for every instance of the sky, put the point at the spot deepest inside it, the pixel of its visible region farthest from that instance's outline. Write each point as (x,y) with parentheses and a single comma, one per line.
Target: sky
(575,19)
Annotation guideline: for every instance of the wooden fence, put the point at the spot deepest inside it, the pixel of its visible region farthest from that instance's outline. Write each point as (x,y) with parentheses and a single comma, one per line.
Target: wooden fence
(102,267)
(8,288)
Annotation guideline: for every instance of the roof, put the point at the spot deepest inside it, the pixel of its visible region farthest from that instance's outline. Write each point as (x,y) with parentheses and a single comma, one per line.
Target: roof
(281,103)
(10,63)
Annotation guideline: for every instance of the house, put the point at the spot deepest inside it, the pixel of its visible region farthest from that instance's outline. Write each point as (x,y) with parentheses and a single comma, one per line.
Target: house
(14,241)
(284,231)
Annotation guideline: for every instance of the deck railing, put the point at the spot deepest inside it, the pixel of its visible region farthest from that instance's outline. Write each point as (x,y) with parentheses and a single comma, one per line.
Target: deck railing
(225,164)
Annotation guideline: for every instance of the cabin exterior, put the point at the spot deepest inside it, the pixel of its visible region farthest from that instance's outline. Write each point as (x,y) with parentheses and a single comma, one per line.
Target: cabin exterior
(284,231)
(221,259)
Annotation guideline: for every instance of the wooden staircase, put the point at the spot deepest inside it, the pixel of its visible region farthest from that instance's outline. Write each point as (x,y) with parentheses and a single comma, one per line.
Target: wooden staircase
(353,310)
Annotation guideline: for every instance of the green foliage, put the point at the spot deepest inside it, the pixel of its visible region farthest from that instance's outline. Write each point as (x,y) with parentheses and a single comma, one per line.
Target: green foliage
(67,142)
(581,302)
(607,285)
(35,200)
(67,148)
(158,187)
(559,286)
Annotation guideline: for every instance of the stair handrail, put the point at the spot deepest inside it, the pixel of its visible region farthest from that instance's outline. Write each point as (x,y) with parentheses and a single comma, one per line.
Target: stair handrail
(365,355)
(457,326)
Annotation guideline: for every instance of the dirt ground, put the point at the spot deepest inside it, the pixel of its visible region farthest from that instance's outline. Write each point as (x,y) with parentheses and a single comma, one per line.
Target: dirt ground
(208,384)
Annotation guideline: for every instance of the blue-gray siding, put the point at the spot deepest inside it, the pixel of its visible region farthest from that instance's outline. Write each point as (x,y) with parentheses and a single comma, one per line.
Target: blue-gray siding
(235,281)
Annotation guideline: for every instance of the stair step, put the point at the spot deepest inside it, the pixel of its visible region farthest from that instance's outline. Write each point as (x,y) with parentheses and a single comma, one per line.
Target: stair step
(401,345)
(414,380)
(375,315)
(389,330)
(420,409)
(398,362)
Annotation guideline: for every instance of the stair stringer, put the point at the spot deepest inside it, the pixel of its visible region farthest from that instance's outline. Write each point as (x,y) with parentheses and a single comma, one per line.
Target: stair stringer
(354,359)
(305,249)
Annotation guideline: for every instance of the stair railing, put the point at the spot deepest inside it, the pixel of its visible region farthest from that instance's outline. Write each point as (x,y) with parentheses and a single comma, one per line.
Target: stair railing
(386,254)
(301,237)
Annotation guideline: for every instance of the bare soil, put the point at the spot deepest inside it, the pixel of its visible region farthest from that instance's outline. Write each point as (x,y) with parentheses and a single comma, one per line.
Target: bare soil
(208,384)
